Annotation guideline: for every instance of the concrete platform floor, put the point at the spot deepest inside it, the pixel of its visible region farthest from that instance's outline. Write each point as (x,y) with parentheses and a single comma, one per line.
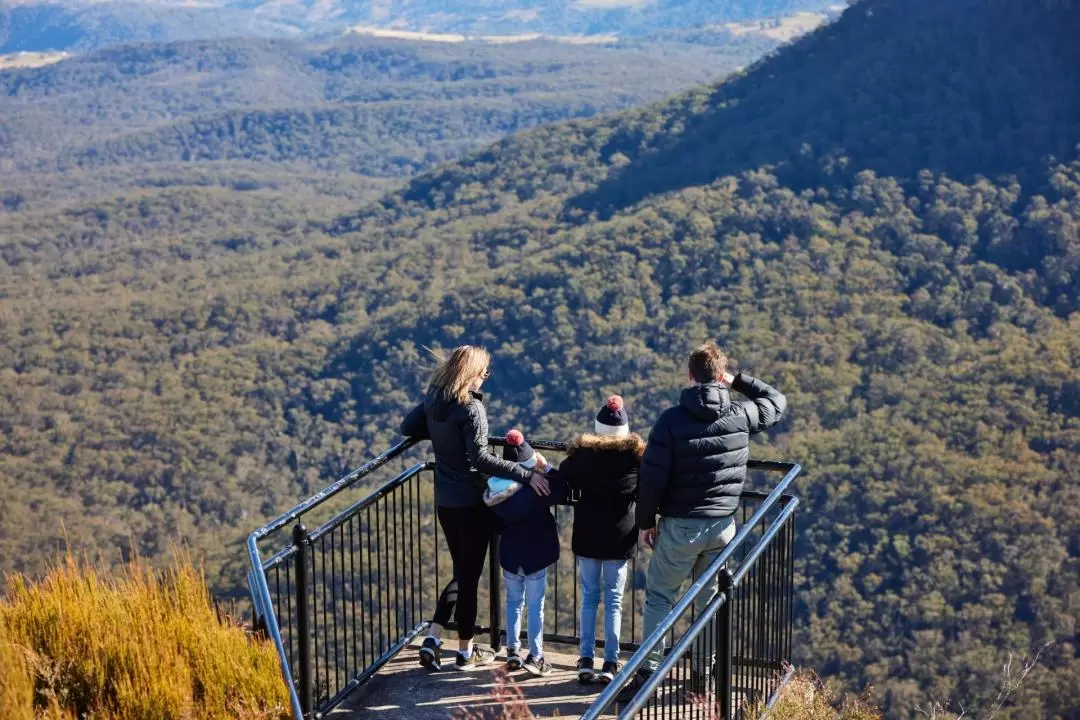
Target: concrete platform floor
(403,689)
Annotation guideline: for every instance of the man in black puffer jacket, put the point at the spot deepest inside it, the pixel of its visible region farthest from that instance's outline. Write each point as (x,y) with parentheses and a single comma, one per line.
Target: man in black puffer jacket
(692,474)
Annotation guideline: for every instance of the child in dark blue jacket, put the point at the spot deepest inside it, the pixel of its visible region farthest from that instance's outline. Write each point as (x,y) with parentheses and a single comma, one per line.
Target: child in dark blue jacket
(529,544)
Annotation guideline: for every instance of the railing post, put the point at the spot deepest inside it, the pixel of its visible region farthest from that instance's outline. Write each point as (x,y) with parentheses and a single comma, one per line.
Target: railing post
(724,644)
(494,590)
(303,627)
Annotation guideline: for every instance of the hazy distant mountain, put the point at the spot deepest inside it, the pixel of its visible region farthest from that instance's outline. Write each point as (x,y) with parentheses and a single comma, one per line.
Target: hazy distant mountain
(77,24)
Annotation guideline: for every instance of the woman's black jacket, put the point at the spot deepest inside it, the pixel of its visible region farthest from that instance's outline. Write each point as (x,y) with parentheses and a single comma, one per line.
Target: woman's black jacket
(459,437)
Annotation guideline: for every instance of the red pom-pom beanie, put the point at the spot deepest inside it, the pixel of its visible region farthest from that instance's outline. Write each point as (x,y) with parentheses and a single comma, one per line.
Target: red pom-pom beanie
(612,418)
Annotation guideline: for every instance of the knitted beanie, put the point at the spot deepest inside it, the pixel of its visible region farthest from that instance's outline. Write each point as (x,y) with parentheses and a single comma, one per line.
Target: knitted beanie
(612,418)
(518,450)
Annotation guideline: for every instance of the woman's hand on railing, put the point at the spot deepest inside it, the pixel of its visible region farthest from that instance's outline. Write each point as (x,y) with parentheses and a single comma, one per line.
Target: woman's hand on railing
(539,483)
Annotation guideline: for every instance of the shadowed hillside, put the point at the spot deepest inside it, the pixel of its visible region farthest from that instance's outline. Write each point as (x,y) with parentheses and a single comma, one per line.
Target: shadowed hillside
(958,88)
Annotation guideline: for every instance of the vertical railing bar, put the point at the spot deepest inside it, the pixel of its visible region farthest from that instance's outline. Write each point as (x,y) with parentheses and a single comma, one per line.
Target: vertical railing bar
(325,623)
(333,614)
(376,646)
(393,608)
(399,581)
(352,593)
(412,512)
(306,689)
(372,594)
(435,529)
(402,563)
(384,553)
(291,634)
(314,623)
(774,601)
(790,619)
(347,671)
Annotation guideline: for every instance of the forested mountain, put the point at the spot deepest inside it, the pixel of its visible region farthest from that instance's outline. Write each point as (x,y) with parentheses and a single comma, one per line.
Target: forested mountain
(169,373)
(374,107)
(29,25)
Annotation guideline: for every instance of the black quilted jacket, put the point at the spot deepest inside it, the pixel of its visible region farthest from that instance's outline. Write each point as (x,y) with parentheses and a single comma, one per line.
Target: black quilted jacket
(695,460)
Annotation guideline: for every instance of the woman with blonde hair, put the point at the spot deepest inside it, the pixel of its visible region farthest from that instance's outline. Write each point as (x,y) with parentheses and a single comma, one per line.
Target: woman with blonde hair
(452,416)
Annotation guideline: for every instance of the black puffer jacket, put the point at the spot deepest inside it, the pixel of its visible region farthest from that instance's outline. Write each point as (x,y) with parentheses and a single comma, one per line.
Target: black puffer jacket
(695,461)
(603,471)
(459,436)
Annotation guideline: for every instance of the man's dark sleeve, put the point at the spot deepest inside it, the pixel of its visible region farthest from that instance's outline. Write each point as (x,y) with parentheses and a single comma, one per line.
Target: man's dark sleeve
(415,424)
(475,432)
(766,405)
(655,473)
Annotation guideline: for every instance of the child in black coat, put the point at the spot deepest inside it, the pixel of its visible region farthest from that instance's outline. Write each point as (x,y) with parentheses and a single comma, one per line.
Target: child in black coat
(528,545)
(602,468)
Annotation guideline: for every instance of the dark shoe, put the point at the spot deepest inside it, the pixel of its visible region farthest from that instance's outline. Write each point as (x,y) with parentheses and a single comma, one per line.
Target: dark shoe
(513,661)
(585,672)
(429,654)
(636,683)
(538,666)
(608,672)
(480,656)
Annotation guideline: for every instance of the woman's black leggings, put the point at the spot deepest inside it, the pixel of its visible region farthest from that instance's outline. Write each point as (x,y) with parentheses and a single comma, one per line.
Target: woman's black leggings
(468,534)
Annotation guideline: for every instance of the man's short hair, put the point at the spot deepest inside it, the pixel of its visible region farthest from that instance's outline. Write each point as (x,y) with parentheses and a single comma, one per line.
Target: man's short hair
(707,363)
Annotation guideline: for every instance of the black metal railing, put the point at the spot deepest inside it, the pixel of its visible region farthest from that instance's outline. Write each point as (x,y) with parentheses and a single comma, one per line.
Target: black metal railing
(340,601)
(729,636)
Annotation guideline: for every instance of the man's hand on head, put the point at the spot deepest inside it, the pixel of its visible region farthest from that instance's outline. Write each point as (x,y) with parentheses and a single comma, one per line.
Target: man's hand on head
(728,379)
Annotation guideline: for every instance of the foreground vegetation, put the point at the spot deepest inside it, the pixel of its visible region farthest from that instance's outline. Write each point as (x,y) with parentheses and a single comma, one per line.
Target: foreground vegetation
(141,646)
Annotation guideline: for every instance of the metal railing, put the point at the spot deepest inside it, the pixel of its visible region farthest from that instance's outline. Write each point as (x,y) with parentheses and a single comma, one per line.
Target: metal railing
(730,658)
(340,601)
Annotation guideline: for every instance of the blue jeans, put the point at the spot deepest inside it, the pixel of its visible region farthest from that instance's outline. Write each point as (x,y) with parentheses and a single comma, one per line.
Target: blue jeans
(525,591)
(609,577)
(685,548)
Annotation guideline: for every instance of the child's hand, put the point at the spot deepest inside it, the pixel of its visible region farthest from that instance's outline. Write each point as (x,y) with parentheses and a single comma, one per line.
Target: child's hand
(541,463)
(648,537)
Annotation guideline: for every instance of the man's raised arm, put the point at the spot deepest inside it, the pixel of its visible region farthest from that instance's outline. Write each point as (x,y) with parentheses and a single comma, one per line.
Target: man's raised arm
(766,405)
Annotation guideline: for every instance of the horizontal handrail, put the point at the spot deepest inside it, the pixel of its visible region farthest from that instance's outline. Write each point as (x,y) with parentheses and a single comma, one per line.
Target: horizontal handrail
(655,639)
(371,499)
(333,489)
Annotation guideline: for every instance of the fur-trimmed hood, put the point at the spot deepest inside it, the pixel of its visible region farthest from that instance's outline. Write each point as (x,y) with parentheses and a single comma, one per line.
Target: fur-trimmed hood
(630,443)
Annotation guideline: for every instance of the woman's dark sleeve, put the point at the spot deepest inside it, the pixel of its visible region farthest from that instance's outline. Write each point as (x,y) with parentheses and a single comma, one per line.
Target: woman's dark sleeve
(475,431)
(415,424)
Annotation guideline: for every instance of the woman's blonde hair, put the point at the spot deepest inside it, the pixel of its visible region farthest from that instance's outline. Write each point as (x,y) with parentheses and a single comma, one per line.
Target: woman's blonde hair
(455,373)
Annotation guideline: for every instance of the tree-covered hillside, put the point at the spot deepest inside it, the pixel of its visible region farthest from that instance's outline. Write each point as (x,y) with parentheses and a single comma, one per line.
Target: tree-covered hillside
(175,373)
(366,106)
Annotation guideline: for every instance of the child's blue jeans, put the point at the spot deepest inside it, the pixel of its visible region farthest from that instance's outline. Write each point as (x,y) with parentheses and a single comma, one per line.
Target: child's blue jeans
(607,577)
(525,591)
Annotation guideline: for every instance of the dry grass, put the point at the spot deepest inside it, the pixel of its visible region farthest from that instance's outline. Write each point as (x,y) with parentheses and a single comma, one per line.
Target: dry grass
(807,698)
(78,644)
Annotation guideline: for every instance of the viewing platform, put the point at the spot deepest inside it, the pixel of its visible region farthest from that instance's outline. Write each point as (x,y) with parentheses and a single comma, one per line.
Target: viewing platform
(347,602)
